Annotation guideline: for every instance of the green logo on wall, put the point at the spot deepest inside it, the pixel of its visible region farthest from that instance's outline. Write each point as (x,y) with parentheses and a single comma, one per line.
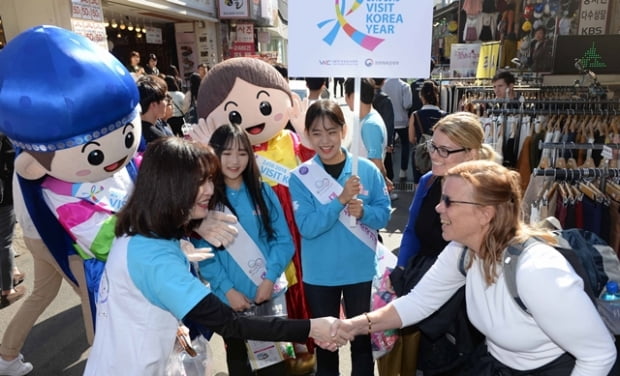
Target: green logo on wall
(592,59)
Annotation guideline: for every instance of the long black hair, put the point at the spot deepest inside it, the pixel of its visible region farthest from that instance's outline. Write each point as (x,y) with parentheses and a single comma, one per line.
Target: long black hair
(225,138)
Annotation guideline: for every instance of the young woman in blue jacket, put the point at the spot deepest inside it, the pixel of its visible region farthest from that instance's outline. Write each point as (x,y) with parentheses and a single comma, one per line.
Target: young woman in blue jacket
(240,189)
(338,215)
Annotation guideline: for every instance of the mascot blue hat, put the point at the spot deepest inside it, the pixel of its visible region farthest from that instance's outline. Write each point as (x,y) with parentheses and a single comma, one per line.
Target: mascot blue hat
(60,90)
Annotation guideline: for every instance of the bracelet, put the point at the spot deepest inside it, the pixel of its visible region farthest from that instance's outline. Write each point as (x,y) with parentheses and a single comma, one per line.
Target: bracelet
(369,323)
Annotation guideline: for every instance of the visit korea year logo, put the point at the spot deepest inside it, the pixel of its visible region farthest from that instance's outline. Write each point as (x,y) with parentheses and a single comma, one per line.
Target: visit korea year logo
(368,23)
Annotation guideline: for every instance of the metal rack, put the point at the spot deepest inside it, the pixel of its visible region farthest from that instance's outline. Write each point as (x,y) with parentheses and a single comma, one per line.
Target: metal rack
(575,146)
(577,173)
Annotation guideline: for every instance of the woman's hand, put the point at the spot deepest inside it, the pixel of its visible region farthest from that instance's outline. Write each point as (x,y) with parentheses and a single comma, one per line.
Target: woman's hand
(351,188)
(356,208)
(237,300)
(330,333)
(264,291)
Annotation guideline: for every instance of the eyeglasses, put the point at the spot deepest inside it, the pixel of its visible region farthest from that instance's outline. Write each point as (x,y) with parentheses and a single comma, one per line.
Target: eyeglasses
(447,201)
(442,151)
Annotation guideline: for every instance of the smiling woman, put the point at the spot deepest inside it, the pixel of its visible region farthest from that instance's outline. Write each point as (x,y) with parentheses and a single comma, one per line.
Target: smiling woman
(147,270)
(562,334)
(456,138)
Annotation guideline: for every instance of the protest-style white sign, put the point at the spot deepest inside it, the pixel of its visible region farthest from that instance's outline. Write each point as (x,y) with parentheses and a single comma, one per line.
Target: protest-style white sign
(360,38)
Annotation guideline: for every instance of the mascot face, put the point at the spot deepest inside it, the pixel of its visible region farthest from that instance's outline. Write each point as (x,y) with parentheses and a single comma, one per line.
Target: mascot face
(262,112)
(76,121)
(100,158)
(249,93)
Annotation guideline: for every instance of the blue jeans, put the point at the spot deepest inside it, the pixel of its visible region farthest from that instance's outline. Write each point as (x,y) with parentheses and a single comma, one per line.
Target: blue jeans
(325,301)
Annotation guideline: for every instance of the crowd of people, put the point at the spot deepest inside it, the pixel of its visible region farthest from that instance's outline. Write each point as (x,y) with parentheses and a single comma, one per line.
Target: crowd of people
(466,210)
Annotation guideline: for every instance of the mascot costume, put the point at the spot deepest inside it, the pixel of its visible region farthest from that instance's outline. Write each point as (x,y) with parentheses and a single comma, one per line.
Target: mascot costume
(72,111)
(252,94)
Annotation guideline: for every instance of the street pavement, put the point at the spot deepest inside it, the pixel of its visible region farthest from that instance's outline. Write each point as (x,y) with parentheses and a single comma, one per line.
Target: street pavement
(57,343)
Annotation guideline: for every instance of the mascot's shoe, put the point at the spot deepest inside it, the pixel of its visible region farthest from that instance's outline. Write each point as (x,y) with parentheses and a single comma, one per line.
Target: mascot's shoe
(18,278)
(7,300)
(15,367)
(303,364)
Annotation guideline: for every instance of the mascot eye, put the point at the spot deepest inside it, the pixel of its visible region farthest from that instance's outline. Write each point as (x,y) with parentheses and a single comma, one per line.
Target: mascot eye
(129,140)
(235,118)
(265,108)
(95,157)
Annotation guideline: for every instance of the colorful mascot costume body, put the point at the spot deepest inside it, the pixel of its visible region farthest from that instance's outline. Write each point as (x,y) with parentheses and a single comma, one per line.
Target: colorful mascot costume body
(71,109)
(252,94)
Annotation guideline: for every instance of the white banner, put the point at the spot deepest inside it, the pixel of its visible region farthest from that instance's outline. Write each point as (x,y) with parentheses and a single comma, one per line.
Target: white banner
(356,38)
(464,59)
(593,16)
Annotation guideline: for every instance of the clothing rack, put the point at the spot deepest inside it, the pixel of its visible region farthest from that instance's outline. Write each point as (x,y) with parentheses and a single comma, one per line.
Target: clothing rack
(577,173)
(575,146)
(603,108)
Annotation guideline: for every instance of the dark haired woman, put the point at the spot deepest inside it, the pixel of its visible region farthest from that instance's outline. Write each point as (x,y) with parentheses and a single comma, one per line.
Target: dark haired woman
(250,270)
(423,120)
(147,288)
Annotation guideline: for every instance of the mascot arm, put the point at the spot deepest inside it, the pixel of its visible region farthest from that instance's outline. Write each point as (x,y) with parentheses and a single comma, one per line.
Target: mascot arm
(202,131)
(297,117)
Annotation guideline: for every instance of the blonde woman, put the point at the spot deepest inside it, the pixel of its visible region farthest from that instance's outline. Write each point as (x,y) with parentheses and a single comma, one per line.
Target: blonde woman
(480,212)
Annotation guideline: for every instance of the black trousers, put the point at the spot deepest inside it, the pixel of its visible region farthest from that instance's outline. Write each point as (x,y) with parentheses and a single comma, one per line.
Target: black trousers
(325,301)
(483,364)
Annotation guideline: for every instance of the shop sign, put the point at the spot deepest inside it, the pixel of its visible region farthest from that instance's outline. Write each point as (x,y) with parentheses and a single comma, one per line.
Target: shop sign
(240,49)
(488,60)
(464,59)
(234,9)
(202,5)
(153,35)
(596,53)
(87,10)
(245,32)
(593,16)
(186,52)
(359,39)
(95,31)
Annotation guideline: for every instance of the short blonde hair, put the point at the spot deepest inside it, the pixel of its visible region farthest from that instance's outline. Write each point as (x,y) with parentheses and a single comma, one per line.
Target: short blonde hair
(465,129)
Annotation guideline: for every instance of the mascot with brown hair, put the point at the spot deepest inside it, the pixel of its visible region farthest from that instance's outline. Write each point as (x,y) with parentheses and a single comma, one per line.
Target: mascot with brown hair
(253,95)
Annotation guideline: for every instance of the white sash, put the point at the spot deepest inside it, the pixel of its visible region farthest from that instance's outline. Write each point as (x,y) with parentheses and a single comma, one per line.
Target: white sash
(250,259)
(325,189)
(273,170)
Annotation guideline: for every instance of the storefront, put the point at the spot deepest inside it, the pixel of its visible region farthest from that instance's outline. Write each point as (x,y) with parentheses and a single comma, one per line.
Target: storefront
(533,36)
(157,27)
(256,28)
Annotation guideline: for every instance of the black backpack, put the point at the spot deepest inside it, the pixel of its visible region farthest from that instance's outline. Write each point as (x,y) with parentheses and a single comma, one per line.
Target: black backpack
(591,258)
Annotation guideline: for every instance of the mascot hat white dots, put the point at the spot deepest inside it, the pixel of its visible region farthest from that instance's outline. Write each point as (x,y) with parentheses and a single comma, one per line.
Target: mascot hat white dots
(59,90)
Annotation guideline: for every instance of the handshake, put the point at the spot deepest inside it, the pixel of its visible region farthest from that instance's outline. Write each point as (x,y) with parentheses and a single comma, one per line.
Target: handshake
(330,333)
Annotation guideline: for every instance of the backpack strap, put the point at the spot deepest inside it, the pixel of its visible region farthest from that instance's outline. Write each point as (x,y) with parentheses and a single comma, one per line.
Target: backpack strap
(419,124)
(463,260)
(511,260)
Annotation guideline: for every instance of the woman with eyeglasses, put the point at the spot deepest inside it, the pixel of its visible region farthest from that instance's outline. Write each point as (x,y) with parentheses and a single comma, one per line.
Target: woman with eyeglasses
(560,334)
(456,138)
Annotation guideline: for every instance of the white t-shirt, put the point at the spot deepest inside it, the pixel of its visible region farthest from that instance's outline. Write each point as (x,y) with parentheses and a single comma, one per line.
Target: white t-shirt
(146,289)
(563,319)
